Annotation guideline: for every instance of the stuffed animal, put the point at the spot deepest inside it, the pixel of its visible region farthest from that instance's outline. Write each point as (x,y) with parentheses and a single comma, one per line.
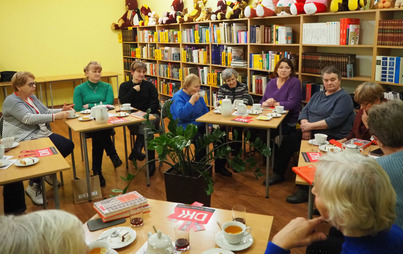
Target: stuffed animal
(283,7)
(250,10)
(219,14)
(175,15)
(315,6)
(338,5)
(297,7)
(356,4)
(264,9)
(205,14)
(197,8)
(399,4)
(132,16)
(235,9)
(144,10)
(383,4)
(152,18)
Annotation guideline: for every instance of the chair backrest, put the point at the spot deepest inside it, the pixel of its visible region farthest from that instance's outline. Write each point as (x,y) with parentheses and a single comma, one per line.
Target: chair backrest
(164,114)
(1,126)
(250,100)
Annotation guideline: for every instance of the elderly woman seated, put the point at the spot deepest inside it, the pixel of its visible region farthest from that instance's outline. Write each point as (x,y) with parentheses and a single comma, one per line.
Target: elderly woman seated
(355,195)
(47,231)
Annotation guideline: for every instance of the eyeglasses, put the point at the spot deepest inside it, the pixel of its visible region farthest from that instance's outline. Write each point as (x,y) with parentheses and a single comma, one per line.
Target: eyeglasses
(32,84)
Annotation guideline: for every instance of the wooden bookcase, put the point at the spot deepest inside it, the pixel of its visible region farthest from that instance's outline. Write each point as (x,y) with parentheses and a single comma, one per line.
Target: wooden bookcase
(157,38)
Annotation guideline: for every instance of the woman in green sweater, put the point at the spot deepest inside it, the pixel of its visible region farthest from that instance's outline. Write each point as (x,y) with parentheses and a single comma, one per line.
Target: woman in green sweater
(87,95)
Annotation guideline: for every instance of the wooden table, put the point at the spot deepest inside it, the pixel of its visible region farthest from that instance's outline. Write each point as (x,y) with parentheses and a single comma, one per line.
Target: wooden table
(199,241)
(84,127)
(274,123)
(47,165)
(306,147)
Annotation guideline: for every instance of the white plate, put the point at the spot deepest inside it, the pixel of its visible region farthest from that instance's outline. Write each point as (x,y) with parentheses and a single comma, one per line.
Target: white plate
(217,251)
(255,111)
(4,163)
(18,163)
(329,148)
(116,242)
(15,144)
(244,244)
(83,120)
(274,114)
(131,108)
(87,111)
(217,111)
(122,114)
(282,112)
(75,116)
(312,142)
(264,118)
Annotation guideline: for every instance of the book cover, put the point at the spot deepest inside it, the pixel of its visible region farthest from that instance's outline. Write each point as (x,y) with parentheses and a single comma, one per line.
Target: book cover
(362,143)
(306,172)
(354,34)
(119,204)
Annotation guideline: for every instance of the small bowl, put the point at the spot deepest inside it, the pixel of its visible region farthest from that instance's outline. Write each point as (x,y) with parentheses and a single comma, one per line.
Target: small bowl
(8,142)
(99,244)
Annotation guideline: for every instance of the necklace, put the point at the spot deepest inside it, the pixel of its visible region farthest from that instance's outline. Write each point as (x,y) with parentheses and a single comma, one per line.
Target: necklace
(93,89)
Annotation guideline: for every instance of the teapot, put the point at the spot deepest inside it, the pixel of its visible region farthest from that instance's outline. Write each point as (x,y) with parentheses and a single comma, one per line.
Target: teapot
(159,243)
(100,113)
(352,148)
(226,107)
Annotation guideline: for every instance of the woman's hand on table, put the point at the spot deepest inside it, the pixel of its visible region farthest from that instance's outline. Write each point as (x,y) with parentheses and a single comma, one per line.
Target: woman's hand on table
(342,140)
(299,232)
(269,102)
(306,126)
(61,115)
(86,106)
(68,107)
(306,135)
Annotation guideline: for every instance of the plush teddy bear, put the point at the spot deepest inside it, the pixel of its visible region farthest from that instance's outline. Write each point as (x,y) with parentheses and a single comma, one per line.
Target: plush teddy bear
(315,6)
(338,5)
(197,8)
(263,9)
(297,7)
(175,15)
(399,4)
(235,9)
(152,18)
(283,7)
(132,16)
(383,4)
(205,14)
(219,14)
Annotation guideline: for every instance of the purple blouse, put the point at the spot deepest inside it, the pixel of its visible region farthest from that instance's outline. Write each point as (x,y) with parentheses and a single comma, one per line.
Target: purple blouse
(289,96)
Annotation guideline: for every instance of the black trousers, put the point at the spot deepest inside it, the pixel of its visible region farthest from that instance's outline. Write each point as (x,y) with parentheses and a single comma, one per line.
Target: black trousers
(13,193)
(101,140)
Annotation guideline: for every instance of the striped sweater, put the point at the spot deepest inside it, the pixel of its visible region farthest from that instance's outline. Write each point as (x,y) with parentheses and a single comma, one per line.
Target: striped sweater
(239,92)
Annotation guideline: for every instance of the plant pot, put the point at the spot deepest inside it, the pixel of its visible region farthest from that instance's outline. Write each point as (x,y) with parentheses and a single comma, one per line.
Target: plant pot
(186,189)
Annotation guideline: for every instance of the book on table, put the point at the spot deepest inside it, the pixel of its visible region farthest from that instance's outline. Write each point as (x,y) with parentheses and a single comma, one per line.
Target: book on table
(119,205)
(306,172)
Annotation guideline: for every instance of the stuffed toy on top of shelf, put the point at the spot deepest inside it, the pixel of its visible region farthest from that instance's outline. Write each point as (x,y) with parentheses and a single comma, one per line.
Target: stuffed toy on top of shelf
(346,5)
(144,10)
(235,9)
(131,17)
(198,5)
(383,4)
(283,7)
(315,6)
(261,8)
(297,7)
(219,13)
(399,4)
(175,15)
(205,14)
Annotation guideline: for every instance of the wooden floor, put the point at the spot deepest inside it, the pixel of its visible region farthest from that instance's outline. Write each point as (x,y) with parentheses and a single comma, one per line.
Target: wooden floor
(241,188)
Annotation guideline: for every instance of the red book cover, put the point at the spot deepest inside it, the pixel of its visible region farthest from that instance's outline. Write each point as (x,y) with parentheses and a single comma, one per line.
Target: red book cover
(306,172)
(308,92)
(243,119)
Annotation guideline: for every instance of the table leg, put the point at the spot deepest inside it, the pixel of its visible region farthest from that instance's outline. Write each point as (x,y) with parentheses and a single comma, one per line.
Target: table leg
(5,92)
(41,92)
(310,203)
(51,94)
(207,148)
(87,166)
(267,163)
(73,162)
(124,138)
(45,205)
(55,191)
(46,95)
(146,151)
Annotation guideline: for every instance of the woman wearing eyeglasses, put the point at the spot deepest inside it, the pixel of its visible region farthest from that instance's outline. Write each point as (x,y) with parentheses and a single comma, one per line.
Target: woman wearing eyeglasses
(26,118)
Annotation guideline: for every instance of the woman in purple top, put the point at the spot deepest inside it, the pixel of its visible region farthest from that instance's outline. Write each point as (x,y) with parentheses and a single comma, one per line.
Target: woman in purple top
(284,90)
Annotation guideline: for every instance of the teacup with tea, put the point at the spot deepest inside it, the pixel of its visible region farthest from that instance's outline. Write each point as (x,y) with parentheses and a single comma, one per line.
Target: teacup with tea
(235,231)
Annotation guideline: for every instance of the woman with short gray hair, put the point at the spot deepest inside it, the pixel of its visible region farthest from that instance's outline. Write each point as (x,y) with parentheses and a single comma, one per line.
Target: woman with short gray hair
(232,88)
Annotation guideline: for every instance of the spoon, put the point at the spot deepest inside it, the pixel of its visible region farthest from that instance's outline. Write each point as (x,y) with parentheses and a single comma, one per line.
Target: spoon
(112,235)
(219,224)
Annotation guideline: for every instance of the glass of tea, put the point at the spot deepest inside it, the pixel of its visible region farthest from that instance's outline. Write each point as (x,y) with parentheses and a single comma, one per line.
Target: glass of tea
(182,242)
(136,217)
(239,213)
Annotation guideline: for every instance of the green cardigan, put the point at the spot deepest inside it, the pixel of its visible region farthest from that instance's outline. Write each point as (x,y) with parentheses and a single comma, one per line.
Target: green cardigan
(84,94)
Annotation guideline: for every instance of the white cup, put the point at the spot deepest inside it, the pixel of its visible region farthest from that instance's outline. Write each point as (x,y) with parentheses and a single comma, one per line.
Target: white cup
(241,108)
(202,93)
(8,142)
(237,102)
(235,231)
(320,138)
(72,113)
(279,109)
(352,148)
(256,106)
(1,151)
(126,106)
(99,244)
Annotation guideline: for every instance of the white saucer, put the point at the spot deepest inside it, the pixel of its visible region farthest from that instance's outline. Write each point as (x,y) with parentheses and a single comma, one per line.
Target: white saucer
(15,144)
(217,251)
(122,114)
(312,142)
(255,111)
(264,118)
(274,114)
(19,164)
(87,111)
(4,163)
(282,112)
(83,120)
(329,148)
(116,242)
(75,116)
(217,111)
(244,244)
(130,109)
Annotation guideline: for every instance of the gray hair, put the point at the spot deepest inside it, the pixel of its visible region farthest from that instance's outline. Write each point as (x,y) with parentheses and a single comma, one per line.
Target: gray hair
(227,73)
(365,201)
(46,231)
(385,121)
(329,70)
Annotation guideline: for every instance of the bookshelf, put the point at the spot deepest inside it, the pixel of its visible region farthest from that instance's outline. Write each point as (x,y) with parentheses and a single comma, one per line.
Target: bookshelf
(174,50)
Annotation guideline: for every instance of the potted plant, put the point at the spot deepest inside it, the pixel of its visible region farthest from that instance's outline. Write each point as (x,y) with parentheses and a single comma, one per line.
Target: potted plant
(174,148)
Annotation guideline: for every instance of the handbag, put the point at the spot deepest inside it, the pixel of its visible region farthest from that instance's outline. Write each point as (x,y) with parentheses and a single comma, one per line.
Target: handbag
(80,192)
(6,76)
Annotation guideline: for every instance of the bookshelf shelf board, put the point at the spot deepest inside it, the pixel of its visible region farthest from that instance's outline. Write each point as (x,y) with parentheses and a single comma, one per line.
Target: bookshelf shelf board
(389,84)
(203,64)
(170,43)
(149,59)
(230,44)
(130,42)
(274,45)
(339,46)
(145,27)
(150,75)
(223,66)
(389,47)
(262,70)
(192,43)
(356,78)
(161,77)
(170,61)
(129,57)
(166,95)
(151,42)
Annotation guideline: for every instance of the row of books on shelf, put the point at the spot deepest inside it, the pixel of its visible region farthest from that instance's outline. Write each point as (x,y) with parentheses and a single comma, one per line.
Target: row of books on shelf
(169,87)
(345,32)
(258,83)
(393,95)
(201,72)
(168,53)
(147,35)
(120,206)
(196,34)
(169,35)
(268,60)
(169,70)
(224,55)
(313,62)
(127,62)
(389,69)
(390,32)
(309,88)
(129,50)
(152,80)
(195,55)
(129,35)
(229,33)
(147,51)
(275,34)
